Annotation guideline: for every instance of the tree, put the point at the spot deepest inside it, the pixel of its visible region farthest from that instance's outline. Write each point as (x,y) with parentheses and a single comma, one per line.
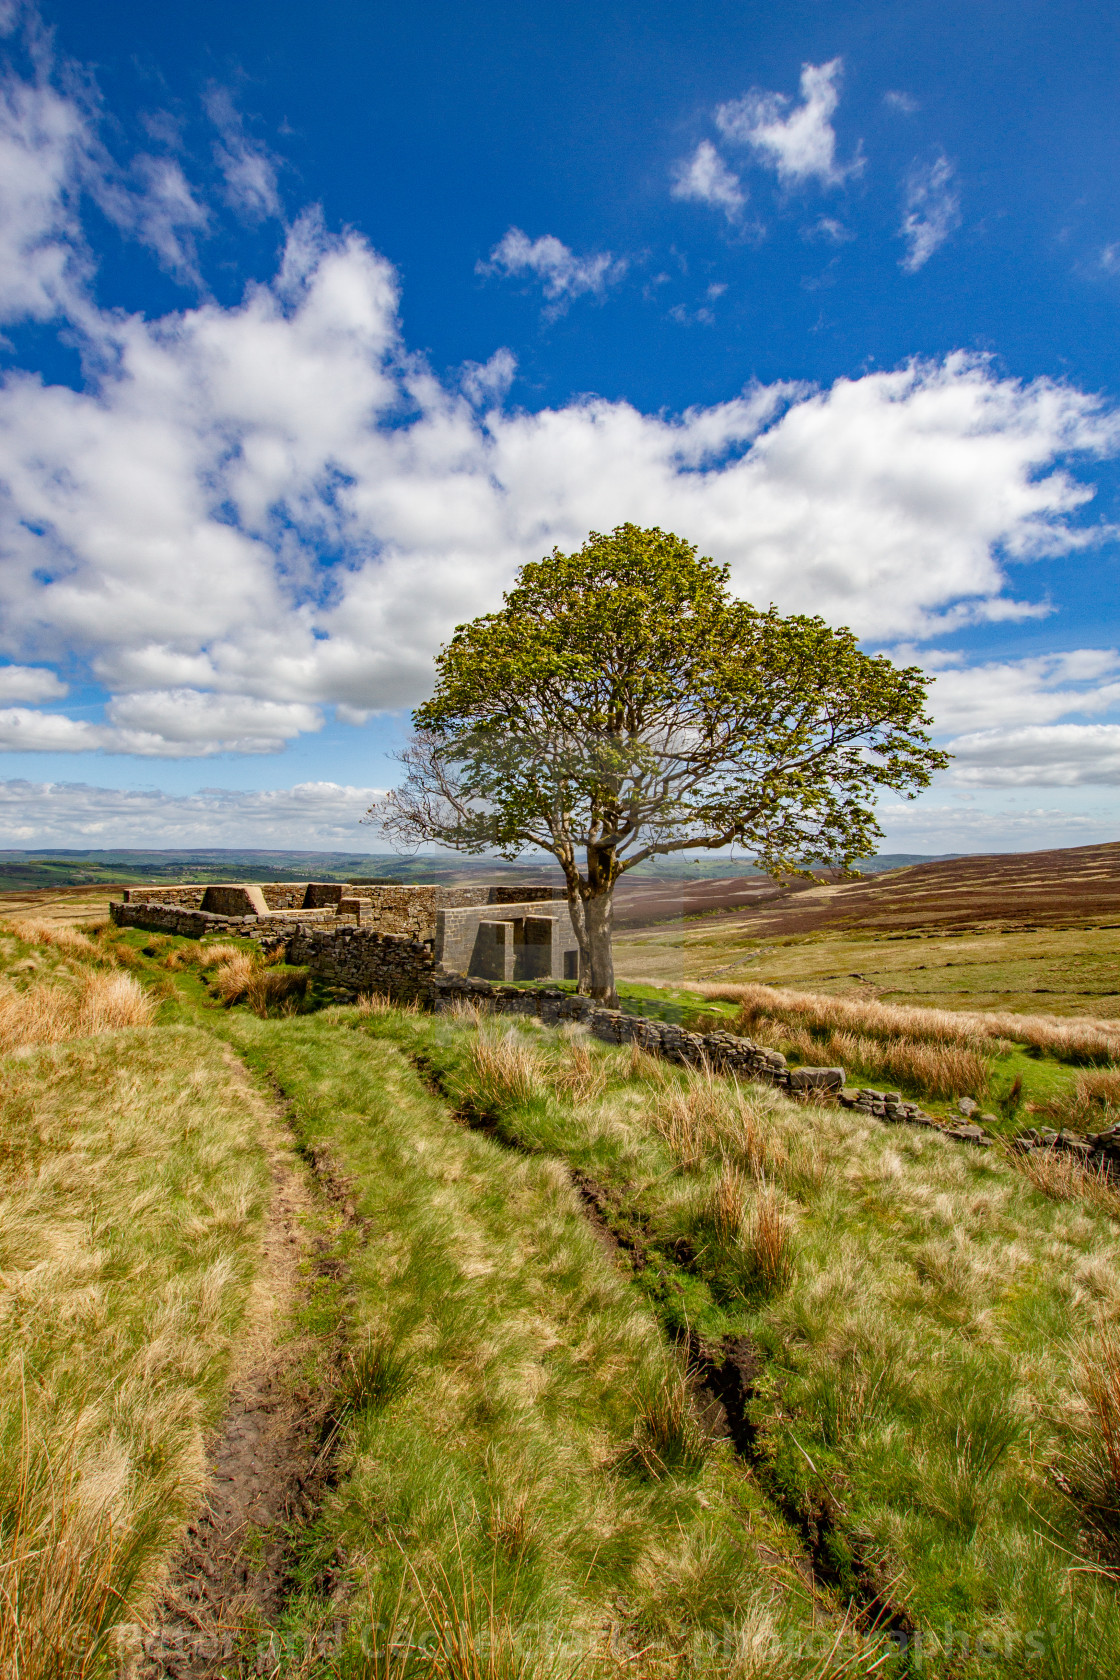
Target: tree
(623,705)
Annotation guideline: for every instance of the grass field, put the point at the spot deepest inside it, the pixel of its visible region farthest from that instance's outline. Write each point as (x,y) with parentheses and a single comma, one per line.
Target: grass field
(1060,972)
(605,1368)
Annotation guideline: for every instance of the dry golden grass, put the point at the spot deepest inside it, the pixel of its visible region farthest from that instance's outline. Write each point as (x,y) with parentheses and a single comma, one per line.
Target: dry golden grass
(702,1115)
(49,1012)
(131,1194)
(769,1242)
(1091,1472)
(1064,1178)
(57,1621)
(1070,1038)
(582,1075)
(938,1070)
(63,938)
(502,1071)
(1092,1104)
(220,952)
(244,977)
(727,1207)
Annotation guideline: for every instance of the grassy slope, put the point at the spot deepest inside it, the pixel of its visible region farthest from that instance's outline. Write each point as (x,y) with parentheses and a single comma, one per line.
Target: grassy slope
(918,1366)
(500,1375)
(132,1193)
(917,1379)
(1063,972)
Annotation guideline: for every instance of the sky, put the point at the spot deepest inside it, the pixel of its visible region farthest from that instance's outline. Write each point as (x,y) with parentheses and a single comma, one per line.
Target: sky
(320,320)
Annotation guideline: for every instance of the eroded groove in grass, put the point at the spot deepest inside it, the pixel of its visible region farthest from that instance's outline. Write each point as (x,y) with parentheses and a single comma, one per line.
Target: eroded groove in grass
(272,1459)
(728,1370)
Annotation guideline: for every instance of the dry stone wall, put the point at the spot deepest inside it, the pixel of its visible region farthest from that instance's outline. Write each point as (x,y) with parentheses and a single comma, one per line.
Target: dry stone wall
(360,959)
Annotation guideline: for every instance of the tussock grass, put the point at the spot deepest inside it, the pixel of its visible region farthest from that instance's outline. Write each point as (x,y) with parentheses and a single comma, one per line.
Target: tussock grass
(501,1072)
(51,1011)
(245,977)
(131,1195)
(1093,1103)
(936,1070)
(73,941)
(1069,1039)
(668,1439)
(910,1305)
(1092,1465)
(1064,1178)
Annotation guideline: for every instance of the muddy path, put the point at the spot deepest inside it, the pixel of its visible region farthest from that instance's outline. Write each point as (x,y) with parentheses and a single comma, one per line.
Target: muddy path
(270,1460)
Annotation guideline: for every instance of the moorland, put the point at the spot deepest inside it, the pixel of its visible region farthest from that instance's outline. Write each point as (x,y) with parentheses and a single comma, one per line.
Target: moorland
(340,1340)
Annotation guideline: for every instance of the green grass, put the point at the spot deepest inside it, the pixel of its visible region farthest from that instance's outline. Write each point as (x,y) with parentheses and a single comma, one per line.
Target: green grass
(516,1419)
(524,1482)
(917,1368)
(1057,972)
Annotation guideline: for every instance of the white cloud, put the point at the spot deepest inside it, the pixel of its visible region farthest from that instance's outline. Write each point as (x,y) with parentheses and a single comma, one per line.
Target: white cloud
(706,179)
(828,228)
(77,815)
(904,103)
(30,682)
(1039,755)
(562,274)
(931,211)
(43,148)
(800,143)
(248,167)
(162,212)
(486,383)
(169,723)
(163,526)
(1027,691)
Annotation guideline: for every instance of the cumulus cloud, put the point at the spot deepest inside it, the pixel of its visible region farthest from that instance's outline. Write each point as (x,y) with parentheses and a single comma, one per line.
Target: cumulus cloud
(77,815)
(706,179)
(247,166)
(1039,755)
(1036,690)
(798,142)
(904,103)
(30,682)
(162,527)
(562,274)
(931,211)
(486,383)
(169,723)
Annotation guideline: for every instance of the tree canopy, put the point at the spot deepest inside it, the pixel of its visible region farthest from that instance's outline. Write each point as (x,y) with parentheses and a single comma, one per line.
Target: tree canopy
(623,704)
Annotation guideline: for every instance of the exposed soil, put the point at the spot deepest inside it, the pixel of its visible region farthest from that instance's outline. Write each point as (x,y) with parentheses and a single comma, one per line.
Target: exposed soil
(268,1462)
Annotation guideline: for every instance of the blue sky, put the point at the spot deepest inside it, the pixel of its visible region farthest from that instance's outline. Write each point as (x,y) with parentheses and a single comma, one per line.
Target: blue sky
(320,320)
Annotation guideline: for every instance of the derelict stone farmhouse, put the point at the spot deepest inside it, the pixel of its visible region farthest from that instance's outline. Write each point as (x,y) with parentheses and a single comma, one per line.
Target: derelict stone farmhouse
(370,934)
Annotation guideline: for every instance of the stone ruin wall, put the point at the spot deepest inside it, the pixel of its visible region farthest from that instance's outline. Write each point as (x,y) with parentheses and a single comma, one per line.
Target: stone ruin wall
(361,959)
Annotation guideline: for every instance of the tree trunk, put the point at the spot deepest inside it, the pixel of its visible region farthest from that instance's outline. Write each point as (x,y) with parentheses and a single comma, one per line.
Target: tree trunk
(599,918)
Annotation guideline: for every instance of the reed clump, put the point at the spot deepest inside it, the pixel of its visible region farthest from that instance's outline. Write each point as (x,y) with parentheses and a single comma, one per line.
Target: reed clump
(668,1439)
(242,977)
(1073,1039)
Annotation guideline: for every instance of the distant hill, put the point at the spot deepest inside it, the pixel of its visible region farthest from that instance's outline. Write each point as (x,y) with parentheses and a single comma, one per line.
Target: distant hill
(1076,886)
(26,870)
